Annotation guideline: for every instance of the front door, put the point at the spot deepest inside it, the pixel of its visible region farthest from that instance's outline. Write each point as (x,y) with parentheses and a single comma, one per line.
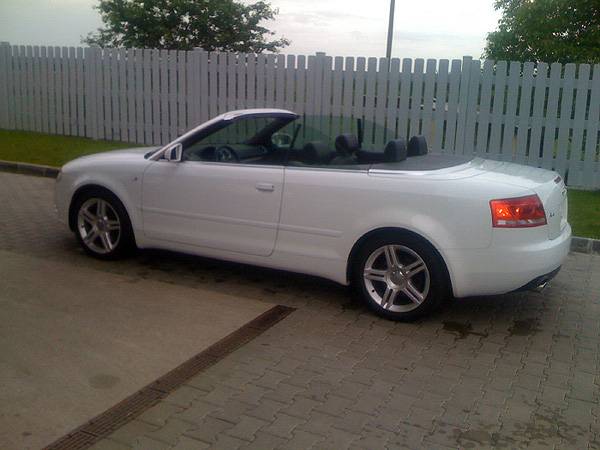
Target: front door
(226,206)
(225,193)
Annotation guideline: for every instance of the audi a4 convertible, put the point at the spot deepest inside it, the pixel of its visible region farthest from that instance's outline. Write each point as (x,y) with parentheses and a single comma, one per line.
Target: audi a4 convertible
(405,227)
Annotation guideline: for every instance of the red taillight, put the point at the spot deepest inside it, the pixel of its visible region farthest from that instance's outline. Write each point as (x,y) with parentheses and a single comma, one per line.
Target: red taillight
(518,212)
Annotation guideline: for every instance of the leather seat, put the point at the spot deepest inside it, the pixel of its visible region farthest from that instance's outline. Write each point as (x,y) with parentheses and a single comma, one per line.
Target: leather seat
(395,151)
(316,153)
(417,146)
(346,146)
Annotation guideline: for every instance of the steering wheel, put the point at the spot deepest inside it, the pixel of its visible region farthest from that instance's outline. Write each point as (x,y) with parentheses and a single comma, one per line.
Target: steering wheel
(226,154)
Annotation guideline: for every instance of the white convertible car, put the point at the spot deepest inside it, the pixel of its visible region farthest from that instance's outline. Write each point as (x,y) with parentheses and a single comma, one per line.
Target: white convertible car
(405,227)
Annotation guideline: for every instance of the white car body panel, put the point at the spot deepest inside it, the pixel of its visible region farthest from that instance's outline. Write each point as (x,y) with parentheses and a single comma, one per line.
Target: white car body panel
(311,219)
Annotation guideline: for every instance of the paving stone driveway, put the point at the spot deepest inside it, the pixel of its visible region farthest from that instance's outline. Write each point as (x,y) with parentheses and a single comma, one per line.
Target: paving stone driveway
(505,372)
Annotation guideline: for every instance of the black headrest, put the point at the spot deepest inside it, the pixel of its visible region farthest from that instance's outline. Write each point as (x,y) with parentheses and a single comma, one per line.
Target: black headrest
(317,153)
(395,151)
(417,146)
(347,144)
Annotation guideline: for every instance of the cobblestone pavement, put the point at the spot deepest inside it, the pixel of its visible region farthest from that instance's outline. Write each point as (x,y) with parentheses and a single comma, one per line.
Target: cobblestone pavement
(511,371)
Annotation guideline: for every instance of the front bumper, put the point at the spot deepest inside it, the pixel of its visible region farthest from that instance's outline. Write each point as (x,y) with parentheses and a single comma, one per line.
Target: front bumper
(504,267)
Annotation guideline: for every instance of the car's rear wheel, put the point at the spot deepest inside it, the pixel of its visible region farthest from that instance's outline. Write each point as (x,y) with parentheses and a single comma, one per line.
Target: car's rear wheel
(102,225)
(400,276)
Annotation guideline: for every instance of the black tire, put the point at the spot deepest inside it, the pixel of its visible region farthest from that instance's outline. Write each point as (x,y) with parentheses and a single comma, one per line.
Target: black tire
(434,276)
(124,244)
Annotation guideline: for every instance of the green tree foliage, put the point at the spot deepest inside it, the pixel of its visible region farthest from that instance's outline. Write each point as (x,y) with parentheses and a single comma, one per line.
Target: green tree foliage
(225,25)
(566,31)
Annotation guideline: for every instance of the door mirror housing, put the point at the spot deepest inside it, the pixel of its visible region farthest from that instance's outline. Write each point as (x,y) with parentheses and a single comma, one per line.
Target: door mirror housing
(174,153)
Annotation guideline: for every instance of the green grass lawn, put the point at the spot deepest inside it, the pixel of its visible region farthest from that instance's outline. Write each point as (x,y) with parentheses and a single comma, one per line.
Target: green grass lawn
(52,150)
(584,213)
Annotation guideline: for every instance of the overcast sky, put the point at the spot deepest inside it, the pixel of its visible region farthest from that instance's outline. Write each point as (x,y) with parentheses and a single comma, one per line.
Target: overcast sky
(423,28)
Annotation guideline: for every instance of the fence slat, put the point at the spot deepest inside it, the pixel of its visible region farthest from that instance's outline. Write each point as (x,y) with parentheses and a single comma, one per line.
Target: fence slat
(535,143)
(511,111)
(164,97)
(300,85)
(392,107)
(564,128)
(241,70)
(454,79)
(181,90)
(590,177)
(37,83)
(428,92)
(577,153)
(139,95)
(280,81)
(250,82)
(325,98)
(147,70)
(204,92)
(131,96)
(72,90)
(468,138)
(80,86)
(524,107)
(487,77)
(156,118)
(416,98)
(114,95)
(30,88)
(222,83)
(124,128)
(231,82)
(5,71)
(465,88)
(290,82)
(498,109)
(440,105)
(66,103)
(551,115)
(405,80)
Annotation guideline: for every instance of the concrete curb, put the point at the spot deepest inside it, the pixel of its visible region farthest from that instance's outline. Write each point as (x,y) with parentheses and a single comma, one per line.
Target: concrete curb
(578,244)
(29,169)
(585,245)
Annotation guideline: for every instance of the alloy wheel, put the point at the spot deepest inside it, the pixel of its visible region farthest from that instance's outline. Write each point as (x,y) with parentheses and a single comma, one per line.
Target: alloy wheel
(396,278)
(99,226)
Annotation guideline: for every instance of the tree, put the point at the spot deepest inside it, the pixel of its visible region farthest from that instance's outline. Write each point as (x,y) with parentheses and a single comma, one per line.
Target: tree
(566,31)
(226,25)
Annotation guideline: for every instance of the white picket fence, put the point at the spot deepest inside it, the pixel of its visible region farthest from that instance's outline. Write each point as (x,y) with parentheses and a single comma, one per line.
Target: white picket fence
(535,114)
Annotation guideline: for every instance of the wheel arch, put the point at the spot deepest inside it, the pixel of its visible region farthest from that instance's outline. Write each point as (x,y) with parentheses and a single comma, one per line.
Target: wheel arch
(383,231)
(85,189)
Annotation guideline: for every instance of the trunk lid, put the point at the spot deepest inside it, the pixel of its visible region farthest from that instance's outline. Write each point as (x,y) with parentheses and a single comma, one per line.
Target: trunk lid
(548,185)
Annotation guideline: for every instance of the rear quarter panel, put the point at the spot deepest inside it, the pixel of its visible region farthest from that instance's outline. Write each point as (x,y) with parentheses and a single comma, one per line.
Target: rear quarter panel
(325,212)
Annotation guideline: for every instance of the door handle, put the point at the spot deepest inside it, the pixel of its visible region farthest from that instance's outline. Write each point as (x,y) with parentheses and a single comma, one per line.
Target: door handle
(266,187)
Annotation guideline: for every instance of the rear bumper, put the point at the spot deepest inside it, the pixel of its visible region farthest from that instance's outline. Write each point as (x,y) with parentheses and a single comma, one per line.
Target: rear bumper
(538,283)
(505,267)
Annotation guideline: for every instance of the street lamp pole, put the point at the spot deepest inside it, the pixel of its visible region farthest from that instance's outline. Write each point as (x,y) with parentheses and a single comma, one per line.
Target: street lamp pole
(388,51)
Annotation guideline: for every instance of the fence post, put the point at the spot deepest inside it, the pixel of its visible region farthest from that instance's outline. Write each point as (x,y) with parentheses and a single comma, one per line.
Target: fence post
(4,74)
(90,70)
(463,99)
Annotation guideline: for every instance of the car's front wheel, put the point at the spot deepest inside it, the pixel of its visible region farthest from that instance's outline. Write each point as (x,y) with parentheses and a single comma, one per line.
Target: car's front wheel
(400,277)
(102,225)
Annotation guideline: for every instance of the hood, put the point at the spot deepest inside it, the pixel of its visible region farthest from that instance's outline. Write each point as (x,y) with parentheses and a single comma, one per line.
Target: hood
(111,157)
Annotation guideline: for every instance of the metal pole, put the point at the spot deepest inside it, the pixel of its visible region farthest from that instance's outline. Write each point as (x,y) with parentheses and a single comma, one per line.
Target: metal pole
(388,51)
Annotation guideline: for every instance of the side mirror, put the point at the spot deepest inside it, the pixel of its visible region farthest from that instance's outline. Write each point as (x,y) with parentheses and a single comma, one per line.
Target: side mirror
(174,153)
